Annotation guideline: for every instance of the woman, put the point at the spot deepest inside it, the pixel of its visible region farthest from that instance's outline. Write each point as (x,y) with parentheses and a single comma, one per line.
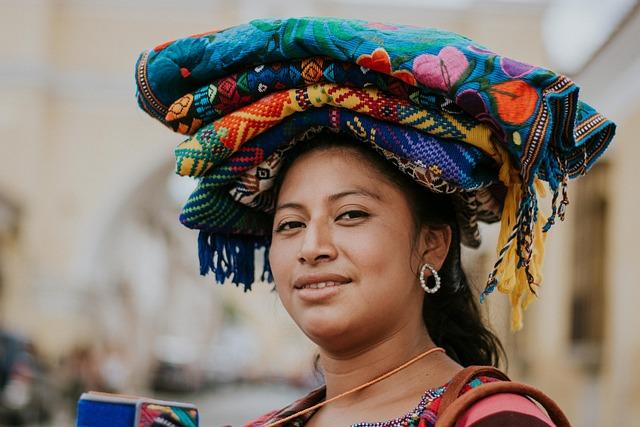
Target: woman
(430,133)
(352,240)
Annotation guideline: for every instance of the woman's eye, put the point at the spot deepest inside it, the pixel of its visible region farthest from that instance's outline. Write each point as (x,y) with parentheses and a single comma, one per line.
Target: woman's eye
(289,225)
(353,215)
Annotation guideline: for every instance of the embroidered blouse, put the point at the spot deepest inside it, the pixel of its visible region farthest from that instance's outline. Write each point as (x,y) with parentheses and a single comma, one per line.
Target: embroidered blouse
(504,409)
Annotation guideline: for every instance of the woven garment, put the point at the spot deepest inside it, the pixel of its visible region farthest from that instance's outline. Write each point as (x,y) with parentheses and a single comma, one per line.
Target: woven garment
(423,415)
(247,93)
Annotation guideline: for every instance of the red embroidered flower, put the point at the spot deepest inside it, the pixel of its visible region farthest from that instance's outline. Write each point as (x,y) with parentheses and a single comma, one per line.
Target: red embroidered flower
(380,61)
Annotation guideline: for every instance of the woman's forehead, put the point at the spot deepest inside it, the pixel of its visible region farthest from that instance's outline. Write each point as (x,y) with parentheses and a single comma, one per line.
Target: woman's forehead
(334,171)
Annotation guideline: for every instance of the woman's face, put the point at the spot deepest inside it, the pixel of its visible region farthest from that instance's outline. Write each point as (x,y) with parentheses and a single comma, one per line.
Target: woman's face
(342,251)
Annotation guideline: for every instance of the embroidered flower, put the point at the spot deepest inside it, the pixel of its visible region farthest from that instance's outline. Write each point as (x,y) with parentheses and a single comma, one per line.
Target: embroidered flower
(515,100)
(380,61)
(515,69)
(473,103)
(440,71)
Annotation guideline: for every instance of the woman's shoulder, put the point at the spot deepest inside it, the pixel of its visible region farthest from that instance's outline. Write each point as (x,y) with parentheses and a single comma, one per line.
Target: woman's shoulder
(472,401)
(504,409)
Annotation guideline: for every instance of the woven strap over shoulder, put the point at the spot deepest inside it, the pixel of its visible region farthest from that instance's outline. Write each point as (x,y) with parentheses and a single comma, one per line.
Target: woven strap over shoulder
(463,377)
(455,405)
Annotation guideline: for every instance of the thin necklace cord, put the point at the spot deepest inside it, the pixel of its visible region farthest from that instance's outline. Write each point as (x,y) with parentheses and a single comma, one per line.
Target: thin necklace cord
(358,388)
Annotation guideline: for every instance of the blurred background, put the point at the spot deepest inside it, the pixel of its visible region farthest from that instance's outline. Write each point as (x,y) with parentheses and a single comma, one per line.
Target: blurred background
(99,284)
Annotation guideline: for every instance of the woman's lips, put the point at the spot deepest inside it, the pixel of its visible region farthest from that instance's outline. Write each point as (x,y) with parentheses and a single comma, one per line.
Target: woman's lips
(319,292)
(319,288)
(319,280)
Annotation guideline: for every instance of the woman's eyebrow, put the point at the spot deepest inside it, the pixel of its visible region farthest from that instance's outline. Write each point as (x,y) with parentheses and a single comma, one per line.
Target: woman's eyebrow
(356,192)
(290,205)
(334,197)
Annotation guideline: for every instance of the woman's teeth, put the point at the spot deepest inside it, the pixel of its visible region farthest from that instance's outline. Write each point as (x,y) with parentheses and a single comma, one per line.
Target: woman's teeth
(321,285)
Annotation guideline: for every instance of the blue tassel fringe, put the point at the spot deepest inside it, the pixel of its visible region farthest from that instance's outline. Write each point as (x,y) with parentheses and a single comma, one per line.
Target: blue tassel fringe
(232,257)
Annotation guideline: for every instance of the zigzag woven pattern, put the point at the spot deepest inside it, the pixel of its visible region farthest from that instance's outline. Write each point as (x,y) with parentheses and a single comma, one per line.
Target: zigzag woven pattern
(228,93)
(215,142)
(449,166)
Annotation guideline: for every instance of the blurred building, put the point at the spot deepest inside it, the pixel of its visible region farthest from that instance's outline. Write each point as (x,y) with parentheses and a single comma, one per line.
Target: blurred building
(92,255)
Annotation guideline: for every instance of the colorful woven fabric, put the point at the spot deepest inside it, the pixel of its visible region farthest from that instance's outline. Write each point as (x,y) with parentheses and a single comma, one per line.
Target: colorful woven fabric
(218,140)
(451,167)
(247,92)
(228,93)
(531,104)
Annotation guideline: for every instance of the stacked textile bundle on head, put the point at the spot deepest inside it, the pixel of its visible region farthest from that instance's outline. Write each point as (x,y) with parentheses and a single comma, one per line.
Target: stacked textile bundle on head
(450,113)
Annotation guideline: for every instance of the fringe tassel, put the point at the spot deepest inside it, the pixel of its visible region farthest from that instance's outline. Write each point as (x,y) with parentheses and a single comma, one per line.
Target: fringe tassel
(232,257)
(558,211)
(518,270)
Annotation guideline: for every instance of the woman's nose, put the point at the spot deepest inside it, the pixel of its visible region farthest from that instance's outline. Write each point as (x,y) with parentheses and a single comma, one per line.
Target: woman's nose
(317,245)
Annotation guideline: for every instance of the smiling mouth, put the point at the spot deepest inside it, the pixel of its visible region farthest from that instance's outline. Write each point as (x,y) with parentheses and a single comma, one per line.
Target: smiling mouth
(322,285)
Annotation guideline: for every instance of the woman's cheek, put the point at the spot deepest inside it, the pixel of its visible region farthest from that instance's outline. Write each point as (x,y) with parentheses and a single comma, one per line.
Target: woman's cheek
(374,250)
(279,267)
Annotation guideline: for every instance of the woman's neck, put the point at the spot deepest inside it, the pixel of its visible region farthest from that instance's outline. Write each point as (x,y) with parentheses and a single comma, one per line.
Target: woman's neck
(344,371)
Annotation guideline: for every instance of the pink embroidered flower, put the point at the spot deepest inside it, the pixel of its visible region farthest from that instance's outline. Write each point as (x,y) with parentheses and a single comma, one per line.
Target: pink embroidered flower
(440,71)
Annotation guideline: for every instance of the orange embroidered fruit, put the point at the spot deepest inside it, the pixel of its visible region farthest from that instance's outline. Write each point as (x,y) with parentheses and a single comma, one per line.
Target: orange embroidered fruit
(515,101)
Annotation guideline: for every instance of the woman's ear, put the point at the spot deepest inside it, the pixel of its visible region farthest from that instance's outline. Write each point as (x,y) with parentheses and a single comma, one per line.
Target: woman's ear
(434,244)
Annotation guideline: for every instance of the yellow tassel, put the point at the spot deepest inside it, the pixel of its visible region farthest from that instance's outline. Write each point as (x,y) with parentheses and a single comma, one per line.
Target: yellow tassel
(511,279)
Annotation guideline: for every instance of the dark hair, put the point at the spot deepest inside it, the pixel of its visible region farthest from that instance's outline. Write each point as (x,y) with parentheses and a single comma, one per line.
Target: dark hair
(451,315)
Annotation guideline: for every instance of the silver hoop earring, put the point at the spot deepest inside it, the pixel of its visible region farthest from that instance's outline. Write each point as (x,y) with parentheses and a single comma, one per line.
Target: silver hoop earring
(423,281)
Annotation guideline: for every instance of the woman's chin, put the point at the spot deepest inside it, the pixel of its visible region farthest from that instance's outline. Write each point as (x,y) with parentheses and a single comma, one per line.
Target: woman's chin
(324,324)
